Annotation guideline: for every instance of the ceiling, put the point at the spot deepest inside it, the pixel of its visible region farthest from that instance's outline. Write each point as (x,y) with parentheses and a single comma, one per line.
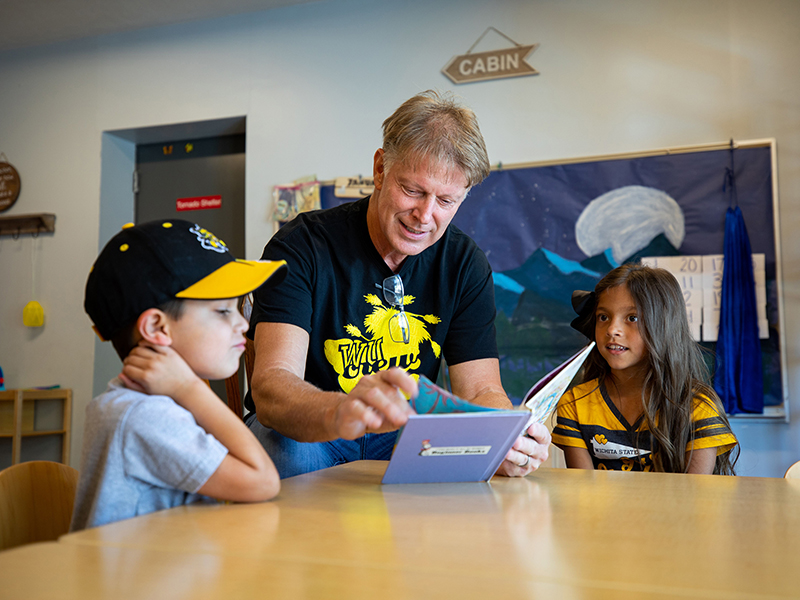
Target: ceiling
(27,23)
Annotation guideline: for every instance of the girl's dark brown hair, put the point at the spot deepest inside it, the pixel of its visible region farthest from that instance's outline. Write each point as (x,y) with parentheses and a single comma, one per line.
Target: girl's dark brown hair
(677,374)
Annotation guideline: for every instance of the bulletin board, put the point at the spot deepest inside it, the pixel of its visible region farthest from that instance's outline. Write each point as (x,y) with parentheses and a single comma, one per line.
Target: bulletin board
(527,218)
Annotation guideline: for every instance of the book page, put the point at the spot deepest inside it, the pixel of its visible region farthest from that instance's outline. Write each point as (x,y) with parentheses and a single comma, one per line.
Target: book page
(542,398)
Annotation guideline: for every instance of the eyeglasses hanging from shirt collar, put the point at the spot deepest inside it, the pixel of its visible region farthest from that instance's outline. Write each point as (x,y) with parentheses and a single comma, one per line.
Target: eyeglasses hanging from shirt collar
(399,328)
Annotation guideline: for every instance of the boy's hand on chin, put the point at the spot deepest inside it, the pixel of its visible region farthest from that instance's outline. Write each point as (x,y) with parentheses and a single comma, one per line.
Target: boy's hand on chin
(158,370)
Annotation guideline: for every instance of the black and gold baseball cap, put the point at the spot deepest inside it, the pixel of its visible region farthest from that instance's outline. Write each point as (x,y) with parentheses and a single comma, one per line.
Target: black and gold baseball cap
(146,265)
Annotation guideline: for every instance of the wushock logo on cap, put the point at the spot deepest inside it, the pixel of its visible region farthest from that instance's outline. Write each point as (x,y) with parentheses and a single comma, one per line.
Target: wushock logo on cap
(208,240)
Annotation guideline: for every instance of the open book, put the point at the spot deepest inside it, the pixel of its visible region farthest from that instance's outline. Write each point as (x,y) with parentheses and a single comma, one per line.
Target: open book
(542,398)
(450,439)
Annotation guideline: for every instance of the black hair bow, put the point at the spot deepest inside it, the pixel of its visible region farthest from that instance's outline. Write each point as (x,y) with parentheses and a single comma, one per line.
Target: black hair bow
(584,303)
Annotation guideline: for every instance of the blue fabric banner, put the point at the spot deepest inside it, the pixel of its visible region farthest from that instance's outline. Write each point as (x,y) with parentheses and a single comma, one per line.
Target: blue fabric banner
(738,378)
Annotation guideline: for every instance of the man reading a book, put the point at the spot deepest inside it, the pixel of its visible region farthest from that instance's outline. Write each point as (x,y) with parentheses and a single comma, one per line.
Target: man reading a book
(379,290)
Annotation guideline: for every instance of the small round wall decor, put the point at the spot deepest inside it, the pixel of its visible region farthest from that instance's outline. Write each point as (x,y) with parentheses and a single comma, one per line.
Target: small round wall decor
(9,186)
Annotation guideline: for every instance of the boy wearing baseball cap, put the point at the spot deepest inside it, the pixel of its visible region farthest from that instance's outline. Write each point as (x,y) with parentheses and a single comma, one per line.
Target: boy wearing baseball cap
(165,293)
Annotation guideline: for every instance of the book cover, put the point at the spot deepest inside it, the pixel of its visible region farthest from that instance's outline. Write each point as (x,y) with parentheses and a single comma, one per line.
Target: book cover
(452,447)
(452,440)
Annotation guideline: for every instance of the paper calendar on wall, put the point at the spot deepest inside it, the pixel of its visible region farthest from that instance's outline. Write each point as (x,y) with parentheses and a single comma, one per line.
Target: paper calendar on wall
(700,278)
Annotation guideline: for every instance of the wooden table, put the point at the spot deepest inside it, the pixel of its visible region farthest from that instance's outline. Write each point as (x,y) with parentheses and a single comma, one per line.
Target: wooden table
(337,533)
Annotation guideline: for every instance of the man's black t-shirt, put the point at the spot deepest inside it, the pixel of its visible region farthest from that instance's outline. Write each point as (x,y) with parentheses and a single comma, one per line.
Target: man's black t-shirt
(330,291)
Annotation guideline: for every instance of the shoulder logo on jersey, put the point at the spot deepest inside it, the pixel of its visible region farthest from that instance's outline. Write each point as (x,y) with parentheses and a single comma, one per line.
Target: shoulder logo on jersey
(375,350)
(208,240)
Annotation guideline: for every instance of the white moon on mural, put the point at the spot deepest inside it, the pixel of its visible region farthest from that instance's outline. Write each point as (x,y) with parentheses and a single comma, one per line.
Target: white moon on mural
(626,220)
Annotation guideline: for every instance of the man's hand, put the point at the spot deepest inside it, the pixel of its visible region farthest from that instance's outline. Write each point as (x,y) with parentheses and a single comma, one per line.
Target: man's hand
(528,452)
(377,404)
(154,369)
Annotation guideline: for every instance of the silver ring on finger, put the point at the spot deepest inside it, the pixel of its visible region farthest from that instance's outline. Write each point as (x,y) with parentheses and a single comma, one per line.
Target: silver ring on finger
(526,463)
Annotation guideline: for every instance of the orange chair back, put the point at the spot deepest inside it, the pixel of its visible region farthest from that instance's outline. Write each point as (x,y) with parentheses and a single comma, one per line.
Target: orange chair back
(36,500)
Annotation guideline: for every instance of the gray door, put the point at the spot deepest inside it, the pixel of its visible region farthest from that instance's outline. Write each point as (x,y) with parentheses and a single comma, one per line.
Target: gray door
(201,181)
(196,180)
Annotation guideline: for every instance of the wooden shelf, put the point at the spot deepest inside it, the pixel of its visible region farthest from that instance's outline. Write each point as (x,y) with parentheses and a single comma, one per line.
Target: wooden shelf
(20,432)
(35,433)
(22,224)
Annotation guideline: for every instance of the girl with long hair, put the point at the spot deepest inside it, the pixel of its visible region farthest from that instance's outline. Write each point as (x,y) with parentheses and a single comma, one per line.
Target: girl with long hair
(644,403)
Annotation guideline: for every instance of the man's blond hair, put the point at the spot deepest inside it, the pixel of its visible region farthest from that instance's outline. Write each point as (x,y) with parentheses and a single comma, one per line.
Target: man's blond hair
(435,126)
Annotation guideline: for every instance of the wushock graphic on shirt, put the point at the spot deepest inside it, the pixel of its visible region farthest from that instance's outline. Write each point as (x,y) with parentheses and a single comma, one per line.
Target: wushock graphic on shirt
(376,349)
(623,456)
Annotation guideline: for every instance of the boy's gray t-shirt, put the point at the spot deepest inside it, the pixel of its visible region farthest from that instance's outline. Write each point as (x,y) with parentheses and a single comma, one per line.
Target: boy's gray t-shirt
(141,454)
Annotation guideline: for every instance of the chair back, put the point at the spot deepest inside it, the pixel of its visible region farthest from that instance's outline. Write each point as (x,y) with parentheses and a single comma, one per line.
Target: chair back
(36,500)
(249,346)
(793,472)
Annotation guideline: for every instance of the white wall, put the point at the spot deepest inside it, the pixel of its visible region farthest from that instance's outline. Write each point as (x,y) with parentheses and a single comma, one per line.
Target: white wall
(315,81)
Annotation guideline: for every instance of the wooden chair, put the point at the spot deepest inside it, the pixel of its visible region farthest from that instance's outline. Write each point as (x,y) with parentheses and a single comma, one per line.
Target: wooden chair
(233,392)
(793,472)
(36,500)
